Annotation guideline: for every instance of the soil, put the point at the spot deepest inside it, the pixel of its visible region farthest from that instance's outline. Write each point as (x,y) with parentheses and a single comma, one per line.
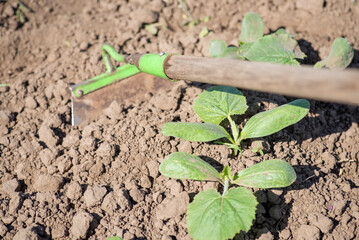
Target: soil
(101,179)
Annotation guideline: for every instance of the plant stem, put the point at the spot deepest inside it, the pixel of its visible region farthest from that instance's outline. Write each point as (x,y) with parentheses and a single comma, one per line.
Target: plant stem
(226,186)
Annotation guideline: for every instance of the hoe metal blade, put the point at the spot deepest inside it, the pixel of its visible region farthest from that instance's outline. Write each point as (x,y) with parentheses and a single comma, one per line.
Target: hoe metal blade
(92,105)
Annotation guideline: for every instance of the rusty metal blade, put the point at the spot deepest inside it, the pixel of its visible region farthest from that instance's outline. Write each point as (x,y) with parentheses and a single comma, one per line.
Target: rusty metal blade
(92,105)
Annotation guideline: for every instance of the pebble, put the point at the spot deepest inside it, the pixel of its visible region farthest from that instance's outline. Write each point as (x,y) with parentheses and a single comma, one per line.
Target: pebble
(171,208)
(47,183)
(81,224)
(15,203)
(274,197)
(11,186)
(47,156)
(84,46)
(137,195)
(30,102)
(261,196)
(144,15)
(109,204)
(74,191)
(324,223)
(3,229)
(94,195)
(305,232)
(47,136)
(29,233)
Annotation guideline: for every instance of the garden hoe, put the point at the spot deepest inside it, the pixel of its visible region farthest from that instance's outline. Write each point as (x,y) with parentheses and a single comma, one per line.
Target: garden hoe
(141,73)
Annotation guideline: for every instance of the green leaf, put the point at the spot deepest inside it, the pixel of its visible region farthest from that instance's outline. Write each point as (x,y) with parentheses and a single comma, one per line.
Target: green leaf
(252,28)
(114,238)
(275,48)
(226,173)
(273,173)
(230,52)
(219,102)
(216,48)
(182,165)
(214,217)
(269,122)
(339,57)
(243,49)
(198,132)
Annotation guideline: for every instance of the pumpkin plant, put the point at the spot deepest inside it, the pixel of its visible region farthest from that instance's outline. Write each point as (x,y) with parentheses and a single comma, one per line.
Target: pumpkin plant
(277,47)
(220,102)
(212,215)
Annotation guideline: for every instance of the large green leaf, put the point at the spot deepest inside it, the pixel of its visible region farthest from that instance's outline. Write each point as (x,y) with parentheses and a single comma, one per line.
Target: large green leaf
(198,132)
(219,102)
(269,122)
(273,173)
(212,216)
(279,47)
(339,57)
(252,28)
(182,165)
(216,48)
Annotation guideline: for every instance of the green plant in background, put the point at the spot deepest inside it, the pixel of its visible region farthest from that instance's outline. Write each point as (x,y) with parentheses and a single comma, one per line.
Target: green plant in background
(220,102)
(114,238)
(278,47)
(217,216)
(22,8)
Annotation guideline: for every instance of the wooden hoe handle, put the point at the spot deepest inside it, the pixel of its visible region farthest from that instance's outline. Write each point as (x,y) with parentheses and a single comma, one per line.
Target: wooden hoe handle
(306,82)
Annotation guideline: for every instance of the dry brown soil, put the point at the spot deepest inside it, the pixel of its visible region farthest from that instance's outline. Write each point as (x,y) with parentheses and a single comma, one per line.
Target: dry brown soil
(101,178)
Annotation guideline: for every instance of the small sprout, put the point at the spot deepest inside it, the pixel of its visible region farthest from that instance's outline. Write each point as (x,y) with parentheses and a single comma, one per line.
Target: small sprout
(212,215)
(219,103)
(204,32)
(21,9)
(114,238)
(257,147)
(153,28)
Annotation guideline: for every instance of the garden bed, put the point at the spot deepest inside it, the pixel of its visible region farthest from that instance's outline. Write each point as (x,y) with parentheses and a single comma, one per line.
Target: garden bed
(101,178)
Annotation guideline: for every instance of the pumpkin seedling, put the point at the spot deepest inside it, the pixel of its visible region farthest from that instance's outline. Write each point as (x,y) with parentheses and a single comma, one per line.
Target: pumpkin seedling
(217,216)
(277,47)
(220,102)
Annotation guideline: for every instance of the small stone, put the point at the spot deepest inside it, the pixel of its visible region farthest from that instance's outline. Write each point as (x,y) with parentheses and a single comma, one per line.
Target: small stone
(9,11)
(8,219)
(106,150)
(22,170)
(30,102)
(53,56)
(114,110)
(275,212)
(94,195)
(306,232)
(5,117)
(59,231)
(137,195)
(84,46)
(109,204)
(324,223)
(15,203)
(48,183)
(11,186)
(64,165)
(171,208)
(145,182)
(29,233)
(47,156)
(47,135)
(184,146)
(144,15)
(3,229)
(123,199)
(74,191)
(81,224)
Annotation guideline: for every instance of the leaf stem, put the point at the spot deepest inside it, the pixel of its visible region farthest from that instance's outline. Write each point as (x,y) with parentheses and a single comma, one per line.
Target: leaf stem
(226,186)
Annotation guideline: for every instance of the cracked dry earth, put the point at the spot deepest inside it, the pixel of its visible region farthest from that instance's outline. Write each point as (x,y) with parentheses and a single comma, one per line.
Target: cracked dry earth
(101,179)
